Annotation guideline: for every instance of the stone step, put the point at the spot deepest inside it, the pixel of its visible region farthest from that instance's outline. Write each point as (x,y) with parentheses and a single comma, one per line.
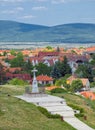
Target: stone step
(53,104)
(64,114)
(58,108)
(66,111)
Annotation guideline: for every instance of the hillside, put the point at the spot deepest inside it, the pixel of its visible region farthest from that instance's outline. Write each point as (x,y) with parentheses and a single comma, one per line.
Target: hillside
(16,114)
(69,33)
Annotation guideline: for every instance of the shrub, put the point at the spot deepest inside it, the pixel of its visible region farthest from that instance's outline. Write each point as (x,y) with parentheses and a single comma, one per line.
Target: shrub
(58,90)
(17,81)
(76,107)
(47,114)
(81,114)
(48,85)
(92,85)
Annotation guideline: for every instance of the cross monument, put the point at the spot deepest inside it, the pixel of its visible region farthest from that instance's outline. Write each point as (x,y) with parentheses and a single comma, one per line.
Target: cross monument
(34,83)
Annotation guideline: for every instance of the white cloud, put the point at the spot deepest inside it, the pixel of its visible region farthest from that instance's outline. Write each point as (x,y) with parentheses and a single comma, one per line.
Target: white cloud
(39,8)
(19,9)
(63,1)
(14,11)
(27,17)
(11,0)
(66,1)
(58,1)
(41,0)
(8,12)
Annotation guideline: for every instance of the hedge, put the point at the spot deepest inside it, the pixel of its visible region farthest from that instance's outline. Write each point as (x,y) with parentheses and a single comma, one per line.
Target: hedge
(81,114)
(58,90)
(48,114)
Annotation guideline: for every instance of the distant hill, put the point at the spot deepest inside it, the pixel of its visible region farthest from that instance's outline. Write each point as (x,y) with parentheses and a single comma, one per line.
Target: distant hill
(11,31)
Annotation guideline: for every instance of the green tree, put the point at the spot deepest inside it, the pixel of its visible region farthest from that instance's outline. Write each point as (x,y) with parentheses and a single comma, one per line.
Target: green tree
(4,53)
(63,82)
(76,85)
(43,69)
(2,74)
(92,85)
(18,61)
(55,73)
(58,49)
(64,67)
(13,52)
(85,71)
(28,67)
(60,69)
(49,47)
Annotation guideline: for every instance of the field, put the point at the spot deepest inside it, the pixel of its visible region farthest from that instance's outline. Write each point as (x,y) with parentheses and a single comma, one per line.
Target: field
(16,114)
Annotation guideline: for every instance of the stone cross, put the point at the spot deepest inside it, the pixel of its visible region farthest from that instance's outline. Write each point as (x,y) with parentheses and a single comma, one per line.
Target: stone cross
(34,83)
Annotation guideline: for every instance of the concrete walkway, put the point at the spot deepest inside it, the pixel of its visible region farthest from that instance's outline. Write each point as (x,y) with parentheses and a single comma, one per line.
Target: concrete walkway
(56,105)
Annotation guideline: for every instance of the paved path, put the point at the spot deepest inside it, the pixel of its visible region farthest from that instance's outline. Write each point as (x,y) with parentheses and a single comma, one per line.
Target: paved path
(56,105)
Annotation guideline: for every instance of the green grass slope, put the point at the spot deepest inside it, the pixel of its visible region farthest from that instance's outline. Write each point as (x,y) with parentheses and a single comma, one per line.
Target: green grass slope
(16,114)
(20,32)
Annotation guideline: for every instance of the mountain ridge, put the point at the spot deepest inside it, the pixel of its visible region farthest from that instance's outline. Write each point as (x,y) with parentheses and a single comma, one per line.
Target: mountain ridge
(12,31)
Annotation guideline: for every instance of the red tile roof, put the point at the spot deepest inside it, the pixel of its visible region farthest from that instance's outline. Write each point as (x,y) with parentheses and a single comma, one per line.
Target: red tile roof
(44,78)
(2,57)
(39,59)
(10,57)
(20,76)
(88,94)
(48,54)
(12,70)
(26,52)
(90,49)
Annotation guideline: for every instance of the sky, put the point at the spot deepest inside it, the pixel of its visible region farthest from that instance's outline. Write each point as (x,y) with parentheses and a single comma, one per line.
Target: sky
(48,12)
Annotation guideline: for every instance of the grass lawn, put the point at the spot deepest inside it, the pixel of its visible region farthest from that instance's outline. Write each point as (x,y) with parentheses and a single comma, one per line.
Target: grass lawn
(16,114)
(86,104)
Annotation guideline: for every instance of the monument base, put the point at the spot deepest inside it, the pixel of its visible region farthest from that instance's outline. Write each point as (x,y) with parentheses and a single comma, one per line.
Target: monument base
(35,95)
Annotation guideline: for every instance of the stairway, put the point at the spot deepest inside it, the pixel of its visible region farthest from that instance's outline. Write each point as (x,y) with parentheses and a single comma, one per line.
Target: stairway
(56,105)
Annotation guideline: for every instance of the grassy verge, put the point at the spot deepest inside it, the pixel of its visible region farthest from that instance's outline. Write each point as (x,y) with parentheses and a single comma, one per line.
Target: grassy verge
(16,114)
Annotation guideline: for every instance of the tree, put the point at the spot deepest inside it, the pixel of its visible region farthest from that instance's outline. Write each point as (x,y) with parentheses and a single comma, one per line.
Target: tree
(63,82)
(64,67)
(4,53)
(55,73)
(60,69)
(28,67)
(49,47)
(18,61)
(43,69)
(85,71)
(76,85)
(2,74)
(92,85)
(13,52)
(58,49)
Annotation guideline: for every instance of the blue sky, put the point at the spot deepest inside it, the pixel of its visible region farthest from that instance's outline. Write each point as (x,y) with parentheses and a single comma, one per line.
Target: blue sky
(48,12)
